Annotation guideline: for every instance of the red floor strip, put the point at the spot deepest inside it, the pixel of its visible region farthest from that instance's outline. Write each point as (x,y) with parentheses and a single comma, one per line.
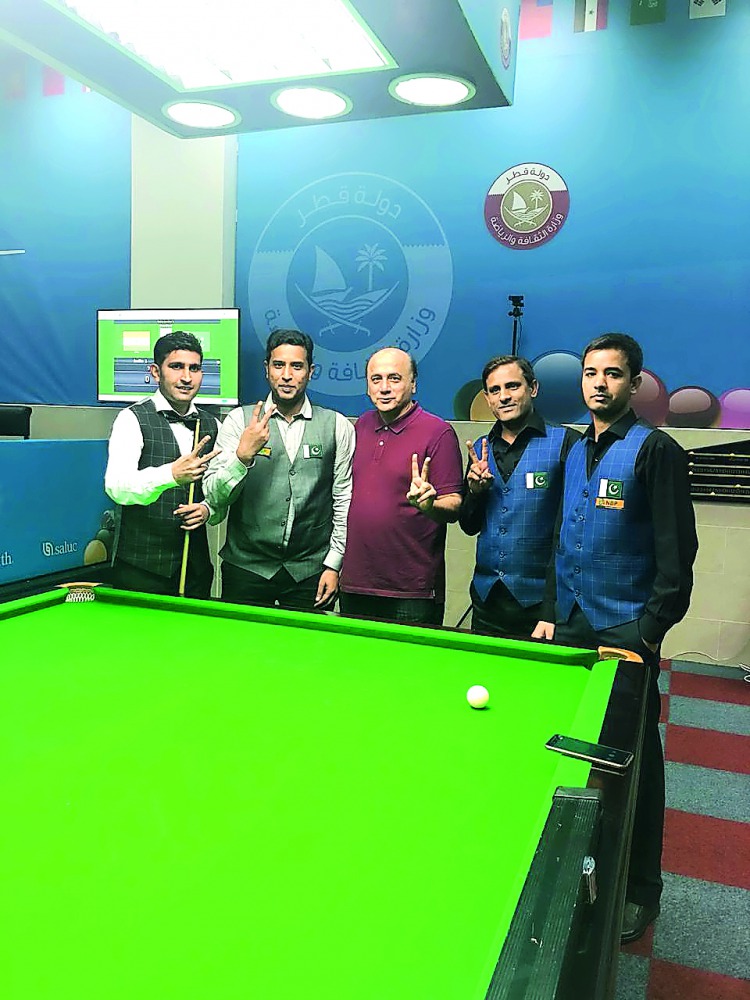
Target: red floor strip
(644,946)
(664,714)
(734,691)
(708,748)
(706,848)
(678,982)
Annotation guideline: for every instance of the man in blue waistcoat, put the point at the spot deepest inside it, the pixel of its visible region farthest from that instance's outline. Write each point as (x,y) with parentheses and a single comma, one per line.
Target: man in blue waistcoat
(624,569)
(512,492)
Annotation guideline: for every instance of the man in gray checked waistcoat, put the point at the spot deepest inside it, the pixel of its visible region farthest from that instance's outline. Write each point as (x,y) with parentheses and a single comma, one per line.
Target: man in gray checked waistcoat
(153,461)
(285,474)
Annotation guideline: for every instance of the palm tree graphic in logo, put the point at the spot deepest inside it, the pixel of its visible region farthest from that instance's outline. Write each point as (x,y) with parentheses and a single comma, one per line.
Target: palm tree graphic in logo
(524,204)
(371,257)
(333,297)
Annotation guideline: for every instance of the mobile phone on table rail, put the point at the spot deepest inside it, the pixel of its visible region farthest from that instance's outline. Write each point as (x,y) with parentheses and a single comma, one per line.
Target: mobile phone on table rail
(595,753)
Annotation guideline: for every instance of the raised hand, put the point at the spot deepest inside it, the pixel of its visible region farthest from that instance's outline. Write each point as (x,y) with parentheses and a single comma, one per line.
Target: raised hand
(479,476)
(255,436)
(422,494)
(189,468)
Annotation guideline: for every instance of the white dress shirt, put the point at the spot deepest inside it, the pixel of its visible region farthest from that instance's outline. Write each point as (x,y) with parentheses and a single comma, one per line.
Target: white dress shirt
(124,482)
(226,472)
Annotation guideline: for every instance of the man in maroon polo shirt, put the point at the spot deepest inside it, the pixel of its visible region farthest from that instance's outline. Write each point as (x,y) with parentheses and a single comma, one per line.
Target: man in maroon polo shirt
(406,486)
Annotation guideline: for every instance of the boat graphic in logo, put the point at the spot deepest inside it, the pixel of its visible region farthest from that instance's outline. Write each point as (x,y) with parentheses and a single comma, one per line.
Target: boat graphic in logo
(339,302)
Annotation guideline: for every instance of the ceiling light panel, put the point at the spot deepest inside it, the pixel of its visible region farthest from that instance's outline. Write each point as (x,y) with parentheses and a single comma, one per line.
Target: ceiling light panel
(199,44)
(432,91)
(311,102)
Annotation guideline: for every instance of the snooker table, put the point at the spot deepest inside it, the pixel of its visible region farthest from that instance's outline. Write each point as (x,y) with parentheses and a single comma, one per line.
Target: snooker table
(209,801)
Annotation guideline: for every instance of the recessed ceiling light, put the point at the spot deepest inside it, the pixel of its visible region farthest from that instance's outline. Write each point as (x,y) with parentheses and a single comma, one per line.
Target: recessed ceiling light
(221,43)
(198,114)
(311,102)
(432,91)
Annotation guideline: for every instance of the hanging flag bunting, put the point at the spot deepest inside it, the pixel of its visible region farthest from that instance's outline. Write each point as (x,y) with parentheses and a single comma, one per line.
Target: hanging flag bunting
(648,11)
(590,15)
(707,8)
(536,19)
(53,83)
(12,75)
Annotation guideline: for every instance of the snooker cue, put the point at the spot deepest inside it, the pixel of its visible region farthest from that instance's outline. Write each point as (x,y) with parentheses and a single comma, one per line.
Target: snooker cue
(186,540)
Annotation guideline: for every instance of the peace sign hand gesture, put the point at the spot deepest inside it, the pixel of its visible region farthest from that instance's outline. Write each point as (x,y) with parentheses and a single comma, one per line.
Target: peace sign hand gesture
(255,436)
(422,494)
(190,468)
(479,476)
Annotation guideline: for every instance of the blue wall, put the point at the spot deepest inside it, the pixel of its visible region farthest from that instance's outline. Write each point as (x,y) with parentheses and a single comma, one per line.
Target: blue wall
(646,126)
(39,537)
(65,201)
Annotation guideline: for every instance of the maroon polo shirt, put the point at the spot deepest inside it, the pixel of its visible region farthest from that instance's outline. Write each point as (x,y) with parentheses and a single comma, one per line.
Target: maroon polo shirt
(392,550)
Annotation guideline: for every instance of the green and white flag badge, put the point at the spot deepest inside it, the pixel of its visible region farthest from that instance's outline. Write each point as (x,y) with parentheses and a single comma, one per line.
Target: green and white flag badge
(312,450)
(537,480)
(612,489)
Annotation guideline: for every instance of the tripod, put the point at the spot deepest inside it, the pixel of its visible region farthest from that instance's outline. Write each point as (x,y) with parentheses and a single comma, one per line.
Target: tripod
(517,313)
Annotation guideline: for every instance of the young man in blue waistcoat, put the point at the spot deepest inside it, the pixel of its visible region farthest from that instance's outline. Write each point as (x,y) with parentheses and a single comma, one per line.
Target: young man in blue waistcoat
(285,473)
(623,569)
(512,493)
(152,464)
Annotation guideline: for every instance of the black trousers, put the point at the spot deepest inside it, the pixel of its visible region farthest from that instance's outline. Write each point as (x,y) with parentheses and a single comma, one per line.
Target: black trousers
(197,582)
(403,610)
(240,586)
(501,614)
(644,871)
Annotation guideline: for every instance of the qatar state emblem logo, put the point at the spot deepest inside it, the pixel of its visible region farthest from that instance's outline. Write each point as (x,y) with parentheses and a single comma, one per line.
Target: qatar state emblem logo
(358,261)
(527,206)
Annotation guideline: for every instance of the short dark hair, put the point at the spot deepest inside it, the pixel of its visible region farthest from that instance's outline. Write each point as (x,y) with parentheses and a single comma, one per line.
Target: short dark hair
(618,342)
(392,347)
(178,340)
(508,359)
(294,337)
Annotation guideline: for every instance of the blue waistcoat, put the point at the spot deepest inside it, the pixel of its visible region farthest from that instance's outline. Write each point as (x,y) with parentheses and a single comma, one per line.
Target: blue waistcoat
(605,558)
(515,542)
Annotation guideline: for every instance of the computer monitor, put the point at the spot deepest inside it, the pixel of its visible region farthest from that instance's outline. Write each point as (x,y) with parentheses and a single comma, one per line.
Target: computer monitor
(125,341)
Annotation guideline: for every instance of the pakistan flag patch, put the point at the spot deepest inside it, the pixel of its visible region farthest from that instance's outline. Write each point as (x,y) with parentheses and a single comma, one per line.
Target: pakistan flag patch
(312,450)
(537,480)
(611,494)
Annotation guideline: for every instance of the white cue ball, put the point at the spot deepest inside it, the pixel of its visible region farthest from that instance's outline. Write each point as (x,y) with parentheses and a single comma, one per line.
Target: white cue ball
(478,696)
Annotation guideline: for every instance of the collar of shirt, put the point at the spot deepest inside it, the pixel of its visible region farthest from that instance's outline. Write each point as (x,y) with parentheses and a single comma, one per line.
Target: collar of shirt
(400,423)
(618,429)
(160,404)
(305,412)
(534,425)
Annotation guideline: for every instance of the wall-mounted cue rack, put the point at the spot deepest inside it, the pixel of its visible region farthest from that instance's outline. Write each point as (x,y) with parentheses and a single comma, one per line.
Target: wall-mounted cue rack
(720,472)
